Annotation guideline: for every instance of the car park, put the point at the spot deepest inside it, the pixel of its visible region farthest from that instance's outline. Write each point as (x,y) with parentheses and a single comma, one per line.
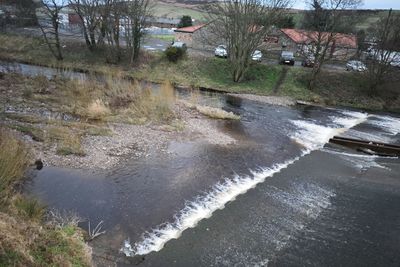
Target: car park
(287,57)
(221,51)
(355,65)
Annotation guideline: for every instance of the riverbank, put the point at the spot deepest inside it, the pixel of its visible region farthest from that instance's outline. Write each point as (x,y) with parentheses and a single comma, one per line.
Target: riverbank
(99,124)
(334,88)
(30,235)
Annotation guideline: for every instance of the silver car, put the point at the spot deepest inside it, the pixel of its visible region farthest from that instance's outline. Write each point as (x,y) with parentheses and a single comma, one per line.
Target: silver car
(256,56)
(221,51)
(355,65)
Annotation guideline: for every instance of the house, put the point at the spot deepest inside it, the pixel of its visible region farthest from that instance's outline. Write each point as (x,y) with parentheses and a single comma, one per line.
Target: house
(302,42)
(193,36)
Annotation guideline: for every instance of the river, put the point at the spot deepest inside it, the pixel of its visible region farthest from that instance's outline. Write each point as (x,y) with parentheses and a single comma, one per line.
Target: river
(280,196)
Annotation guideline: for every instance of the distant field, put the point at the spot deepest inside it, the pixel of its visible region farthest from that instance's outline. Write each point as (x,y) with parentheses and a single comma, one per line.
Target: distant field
(177,10)
(172,9)
(367,18)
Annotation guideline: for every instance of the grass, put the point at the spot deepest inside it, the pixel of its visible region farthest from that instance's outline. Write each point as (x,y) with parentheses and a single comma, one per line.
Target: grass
(94,103)
(30,208)
(14,158)
(168,10)
(97,110)
(28,243)
(33,50)
(68,142)
(339,89)
(192,72)
(212,73)
(164,37)
(24,240)
(35,133)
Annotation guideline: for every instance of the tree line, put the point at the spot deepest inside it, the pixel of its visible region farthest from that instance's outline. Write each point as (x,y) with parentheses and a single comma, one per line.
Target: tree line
(103,22)
(118,26)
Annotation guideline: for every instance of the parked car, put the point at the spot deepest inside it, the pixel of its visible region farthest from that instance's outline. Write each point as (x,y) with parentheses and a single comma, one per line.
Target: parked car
(256,56)
(221,51)
(395,62)
(287,57)
(179,45)
(309,61)
(355,65)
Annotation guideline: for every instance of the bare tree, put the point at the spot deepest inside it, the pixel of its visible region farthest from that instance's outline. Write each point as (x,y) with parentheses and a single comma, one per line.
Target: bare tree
(113,33)
(385,50)
(137,14)
(243,25)
(88,11)
(49,23)
(325,19)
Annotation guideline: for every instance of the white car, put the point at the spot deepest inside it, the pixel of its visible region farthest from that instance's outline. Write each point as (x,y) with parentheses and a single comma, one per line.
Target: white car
(221,51)
(355,65)
(179,45)
(256,56)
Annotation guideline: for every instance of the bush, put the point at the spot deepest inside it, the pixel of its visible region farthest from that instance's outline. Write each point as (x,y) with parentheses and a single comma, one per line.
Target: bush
(97,110)
(174,53)
(14,158)
(29,207)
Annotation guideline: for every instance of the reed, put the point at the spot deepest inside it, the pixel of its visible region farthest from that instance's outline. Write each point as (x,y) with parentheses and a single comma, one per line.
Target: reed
(14,158)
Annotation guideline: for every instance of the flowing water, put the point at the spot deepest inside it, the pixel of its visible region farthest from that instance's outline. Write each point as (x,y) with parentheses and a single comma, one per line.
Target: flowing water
(281,196)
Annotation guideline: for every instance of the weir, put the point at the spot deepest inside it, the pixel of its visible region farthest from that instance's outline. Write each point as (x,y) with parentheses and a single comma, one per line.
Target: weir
(369,147)
(309,135)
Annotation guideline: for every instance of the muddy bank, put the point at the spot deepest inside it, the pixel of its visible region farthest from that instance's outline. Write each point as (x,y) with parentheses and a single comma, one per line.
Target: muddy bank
(128,141)
(68,127)
(272,100)
(136,141)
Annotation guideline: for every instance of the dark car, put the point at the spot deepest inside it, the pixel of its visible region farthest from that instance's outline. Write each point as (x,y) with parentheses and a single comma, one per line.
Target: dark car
(309,62)
(287,57)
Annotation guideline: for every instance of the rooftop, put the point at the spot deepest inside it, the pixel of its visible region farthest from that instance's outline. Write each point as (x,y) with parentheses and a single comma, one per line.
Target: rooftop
(306,37)
(190,29)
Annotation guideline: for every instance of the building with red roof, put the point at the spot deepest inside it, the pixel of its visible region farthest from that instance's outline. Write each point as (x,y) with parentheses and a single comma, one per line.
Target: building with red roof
(192,36)
(343,46)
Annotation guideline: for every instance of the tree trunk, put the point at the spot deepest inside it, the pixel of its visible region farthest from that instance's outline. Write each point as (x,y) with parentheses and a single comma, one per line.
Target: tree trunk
(92,39)
(314,75)
(58,46)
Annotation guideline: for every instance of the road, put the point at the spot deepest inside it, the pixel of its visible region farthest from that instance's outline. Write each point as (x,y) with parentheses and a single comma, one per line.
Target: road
(156,44)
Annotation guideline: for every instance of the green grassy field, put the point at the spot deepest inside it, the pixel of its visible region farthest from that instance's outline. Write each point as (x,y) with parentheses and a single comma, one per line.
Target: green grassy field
(168,10)
(210,73)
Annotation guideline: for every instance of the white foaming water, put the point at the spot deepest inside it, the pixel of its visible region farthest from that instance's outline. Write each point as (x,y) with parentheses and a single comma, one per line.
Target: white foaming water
(313,136)
(310,135)
(308,199)
(386,123)
(360,161)
(199,209)
(352,118)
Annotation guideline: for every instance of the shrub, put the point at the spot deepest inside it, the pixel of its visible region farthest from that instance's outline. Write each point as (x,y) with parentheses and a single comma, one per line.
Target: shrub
(97,110)
(14,158)
(68,142)
(30,208)
(173,54)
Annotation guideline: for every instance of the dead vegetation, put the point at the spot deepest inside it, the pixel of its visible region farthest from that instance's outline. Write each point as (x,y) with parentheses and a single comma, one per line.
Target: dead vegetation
(89,106)
(14,158)
(24,239)
(211,112)
(217,113)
